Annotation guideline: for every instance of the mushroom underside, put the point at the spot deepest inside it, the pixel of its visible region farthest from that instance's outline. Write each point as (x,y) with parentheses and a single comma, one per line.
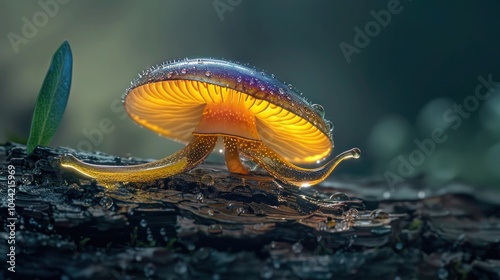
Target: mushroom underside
(178,109)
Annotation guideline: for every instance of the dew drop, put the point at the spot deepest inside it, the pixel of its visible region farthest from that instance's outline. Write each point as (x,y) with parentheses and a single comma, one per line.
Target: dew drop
(345,225)
(442,273)
(322,226)
(200,197)
(170,74)
(272,76)
(149,270)
(240,210)
(319,109)
(106,202)
(339,196)
(50,227)
(143,223)
(297,248)
(207,180)
(180,268)
(329,125)
(421,194)
(150,237)
(163,231)
(210,212)
(266,272)
(281,90)
(183,70)
(290,86)
(199,61)
(262,87)
(238,79)
(208,73)
(263,73)
(215,229)
(351,214)
(27,179)
(202,253)
(386,195)
(380,216)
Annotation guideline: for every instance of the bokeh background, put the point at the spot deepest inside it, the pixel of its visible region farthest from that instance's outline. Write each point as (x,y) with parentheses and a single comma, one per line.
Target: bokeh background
(393,90)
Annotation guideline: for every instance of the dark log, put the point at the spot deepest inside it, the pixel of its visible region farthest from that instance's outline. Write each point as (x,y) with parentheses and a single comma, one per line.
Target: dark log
(208,224)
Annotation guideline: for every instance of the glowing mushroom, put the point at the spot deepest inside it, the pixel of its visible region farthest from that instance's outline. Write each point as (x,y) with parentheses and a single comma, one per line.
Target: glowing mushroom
(199,101)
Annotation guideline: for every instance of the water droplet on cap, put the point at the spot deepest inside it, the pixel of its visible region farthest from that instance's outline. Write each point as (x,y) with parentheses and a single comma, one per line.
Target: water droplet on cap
(319,109)
(329,125)
(208,73)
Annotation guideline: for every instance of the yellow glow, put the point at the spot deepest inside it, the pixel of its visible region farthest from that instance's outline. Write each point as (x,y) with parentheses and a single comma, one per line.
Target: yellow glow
(174,109)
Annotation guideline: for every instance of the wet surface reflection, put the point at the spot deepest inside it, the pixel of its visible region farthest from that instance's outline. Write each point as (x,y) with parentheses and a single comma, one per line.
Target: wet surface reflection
(207,224)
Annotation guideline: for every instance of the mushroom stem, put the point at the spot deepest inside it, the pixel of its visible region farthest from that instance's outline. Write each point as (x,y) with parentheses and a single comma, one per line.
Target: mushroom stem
(280,168)
(190,156)
(232,156)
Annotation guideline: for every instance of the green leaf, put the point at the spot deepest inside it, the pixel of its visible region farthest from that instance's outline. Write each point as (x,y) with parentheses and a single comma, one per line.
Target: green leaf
(52,99)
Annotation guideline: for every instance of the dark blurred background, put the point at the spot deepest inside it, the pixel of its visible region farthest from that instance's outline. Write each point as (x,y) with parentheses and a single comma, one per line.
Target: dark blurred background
(385,88)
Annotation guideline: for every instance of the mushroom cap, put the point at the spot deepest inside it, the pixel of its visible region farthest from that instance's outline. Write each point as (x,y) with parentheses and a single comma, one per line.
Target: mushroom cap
(170,99)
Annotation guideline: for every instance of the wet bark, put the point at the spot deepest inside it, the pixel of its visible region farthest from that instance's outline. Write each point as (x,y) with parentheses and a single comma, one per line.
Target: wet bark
(208,224)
